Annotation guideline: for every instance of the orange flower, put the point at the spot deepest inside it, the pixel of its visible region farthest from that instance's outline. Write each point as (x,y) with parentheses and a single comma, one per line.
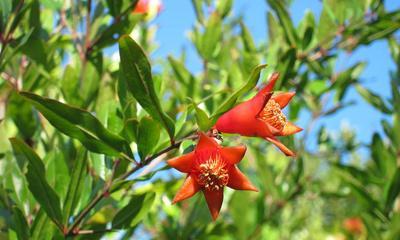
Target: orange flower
(149,7)
(210,168)
(261,116)
(353,225)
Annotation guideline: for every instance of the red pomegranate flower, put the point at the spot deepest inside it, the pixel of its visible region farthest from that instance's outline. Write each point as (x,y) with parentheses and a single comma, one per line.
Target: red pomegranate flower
(261,116)
(149,7)
(210,168)
(353,225)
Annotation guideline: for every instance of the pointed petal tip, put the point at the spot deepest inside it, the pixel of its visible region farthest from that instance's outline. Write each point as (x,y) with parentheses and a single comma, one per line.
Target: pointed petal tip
(284,98)
(290,129)
(182,163)
(281,146)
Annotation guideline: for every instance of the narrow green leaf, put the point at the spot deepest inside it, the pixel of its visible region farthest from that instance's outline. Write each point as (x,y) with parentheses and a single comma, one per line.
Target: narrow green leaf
(37,183)
(286,22)
(373,99)
(80,124)
(198,10)
(20,224)
(5,10)
(395,96)
(247,39)
(148,136)
(136,71)
(392,191)
(211,39)
(224,7)
(184,76)
(307,38)
(134,211)
(202,119)
(42,228)
(230,102)
(76,185)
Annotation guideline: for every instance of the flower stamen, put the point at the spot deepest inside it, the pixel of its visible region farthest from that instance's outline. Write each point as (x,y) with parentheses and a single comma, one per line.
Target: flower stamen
(273,115)
(213,174)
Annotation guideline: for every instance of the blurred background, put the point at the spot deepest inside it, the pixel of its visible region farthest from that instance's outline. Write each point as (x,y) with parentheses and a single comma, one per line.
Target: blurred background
(341,57)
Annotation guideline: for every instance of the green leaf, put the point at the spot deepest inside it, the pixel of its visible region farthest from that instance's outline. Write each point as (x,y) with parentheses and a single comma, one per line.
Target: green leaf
(20,224)
(134,211)
(80,124)
(130,129)
(211,39)
(307,38)
(230,102)
(42,228)
(5,10)
(37,183)
(23,115)
(148,136)
(384,160)
(76,185)
(198,10)
(136,71)
(392,191)
(286,22)
(247,39)
(224,7)
(395,96)
(184,76)
(202,119)
(374,99)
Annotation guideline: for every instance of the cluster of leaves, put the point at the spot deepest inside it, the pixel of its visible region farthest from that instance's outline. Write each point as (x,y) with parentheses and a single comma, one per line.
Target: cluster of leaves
(87,135)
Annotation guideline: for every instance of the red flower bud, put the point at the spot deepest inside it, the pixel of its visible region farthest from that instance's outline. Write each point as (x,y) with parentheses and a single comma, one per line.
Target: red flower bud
(261,116)
(353,225)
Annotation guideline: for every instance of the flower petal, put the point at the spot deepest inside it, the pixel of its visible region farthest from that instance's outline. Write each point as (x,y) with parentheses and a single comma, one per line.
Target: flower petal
(183,163)
(238,181)
(283,98)
(214,201)
(188,189)
(206,142)
(233,155)
(281,146)
(290,129)
(271,84)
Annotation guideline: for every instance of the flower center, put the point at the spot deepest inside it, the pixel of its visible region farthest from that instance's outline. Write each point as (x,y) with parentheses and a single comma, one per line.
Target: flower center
(213,174)
(273,115)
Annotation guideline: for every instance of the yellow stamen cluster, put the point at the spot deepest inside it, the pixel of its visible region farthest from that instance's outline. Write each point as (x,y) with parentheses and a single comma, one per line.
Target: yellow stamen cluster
(273,115)
(213,174)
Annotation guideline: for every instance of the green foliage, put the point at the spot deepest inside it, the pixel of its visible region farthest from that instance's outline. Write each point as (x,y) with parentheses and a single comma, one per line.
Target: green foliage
(104,127)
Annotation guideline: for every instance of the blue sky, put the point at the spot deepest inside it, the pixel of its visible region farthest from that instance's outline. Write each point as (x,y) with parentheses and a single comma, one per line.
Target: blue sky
(178,18)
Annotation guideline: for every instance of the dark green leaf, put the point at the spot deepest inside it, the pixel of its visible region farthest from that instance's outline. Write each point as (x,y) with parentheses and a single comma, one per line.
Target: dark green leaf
(20,224)
(42,228)
(392,191)
(76,185)
(148,136)
(5,10)
(37,183)
(134,212)
(136,71)
(81,125)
